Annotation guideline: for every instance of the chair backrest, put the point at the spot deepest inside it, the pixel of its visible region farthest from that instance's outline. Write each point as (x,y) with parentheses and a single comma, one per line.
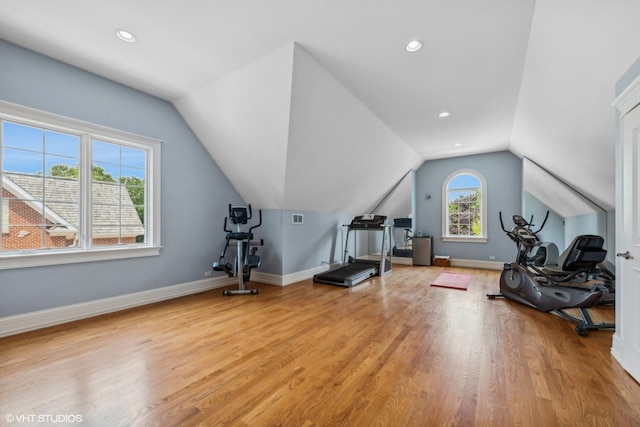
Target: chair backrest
(584,252)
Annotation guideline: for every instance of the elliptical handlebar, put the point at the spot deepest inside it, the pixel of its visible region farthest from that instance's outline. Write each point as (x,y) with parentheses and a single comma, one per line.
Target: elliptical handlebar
(521,222)
(259,219)
(524,237)
(510,233)
(543,223)
(502,223)
(241,215)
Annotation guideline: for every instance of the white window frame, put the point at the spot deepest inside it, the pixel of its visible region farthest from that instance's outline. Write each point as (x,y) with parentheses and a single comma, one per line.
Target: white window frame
(483,209)
(89,132)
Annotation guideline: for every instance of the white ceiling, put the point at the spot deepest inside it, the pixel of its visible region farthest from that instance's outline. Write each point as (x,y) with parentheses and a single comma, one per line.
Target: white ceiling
(535,77)
(552,192)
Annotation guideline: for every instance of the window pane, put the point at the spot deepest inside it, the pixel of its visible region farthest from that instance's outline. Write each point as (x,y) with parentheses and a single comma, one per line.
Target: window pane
(464,206)
(21,136)
(118,194)
(62,144)
(105,172)
(106,152)
(43,211)
(61,166)
(25,225)
(464,181)
(133,157)
(22,161)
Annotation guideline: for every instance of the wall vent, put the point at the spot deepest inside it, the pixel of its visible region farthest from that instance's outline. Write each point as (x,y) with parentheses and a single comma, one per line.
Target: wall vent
(296,218)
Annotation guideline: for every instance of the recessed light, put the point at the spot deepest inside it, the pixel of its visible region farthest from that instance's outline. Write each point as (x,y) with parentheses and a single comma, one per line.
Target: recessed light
(444,114)
(126,36)
(413,46)
(457,144)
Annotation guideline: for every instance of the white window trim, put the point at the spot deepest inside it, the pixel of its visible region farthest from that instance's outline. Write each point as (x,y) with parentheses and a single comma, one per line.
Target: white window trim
(483,207)
(34,258)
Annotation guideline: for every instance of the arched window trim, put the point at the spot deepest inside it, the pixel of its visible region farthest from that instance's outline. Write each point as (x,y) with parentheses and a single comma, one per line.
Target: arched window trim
(483,209)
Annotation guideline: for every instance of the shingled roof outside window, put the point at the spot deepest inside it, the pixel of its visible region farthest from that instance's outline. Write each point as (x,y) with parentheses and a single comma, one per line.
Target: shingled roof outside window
(113,213)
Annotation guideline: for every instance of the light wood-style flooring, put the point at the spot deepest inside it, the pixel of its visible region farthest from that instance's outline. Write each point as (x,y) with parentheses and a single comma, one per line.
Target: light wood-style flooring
(392,351)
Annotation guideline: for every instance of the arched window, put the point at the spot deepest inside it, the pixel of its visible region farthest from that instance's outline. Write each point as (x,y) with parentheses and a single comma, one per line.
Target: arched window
(464,207)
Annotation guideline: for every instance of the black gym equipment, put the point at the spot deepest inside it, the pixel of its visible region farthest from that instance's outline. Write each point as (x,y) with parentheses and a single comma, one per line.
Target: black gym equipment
(245,249)
(579,280)
(406,250)
(355,270)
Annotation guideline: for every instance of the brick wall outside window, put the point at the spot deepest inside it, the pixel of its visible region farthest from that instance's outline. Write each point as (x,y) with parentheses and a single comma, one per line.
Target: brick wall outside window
(23,214)
(25,236)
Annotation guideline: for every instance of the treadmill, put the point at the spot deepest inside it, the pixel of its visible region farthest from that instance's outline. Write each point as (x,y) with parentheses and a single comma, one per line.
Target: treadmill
(356,270)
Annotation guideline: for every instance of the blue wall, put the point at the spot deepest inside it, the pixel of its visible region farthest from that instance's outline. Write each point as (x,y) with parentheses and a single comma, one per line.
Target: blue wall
(594,223)
(295,248)
(195,193)
(503,174)
(553,230)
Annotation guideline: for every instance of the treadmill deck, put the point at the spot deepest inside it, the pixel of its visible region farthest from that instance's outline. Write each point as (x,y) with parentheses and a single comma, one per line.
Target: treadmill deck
(349,274)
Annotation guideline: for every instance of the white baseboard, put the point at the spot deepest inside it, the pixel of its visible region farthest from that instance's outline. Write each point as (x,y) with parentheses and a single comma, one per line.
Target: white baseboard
(287,279)
(472,263)
(617,349)
(12,325)
(401,260)
(469,263)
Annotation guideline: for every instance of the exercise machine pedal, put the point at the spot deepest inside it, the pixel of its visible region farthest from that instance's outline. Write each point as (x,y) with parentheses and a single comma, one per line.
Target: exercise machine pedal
(222,265)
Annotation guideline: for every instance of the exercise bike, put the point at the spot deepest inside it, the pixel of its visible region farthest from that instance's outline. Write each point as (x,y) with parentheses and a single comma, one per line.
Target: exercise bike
(576,281)
(246,258)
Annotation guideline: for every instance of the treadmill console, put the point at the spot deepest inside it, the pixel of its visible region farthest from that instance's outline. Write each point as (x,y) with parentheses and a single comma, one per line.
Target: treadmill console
(368,221)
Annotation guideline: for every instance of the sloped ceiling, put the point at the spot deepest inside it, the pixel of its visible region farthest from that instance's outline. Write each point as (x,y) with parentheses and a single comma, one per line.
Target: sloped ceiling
(243,121)
(554,193)
(564,120)
(287,132)
(534,77)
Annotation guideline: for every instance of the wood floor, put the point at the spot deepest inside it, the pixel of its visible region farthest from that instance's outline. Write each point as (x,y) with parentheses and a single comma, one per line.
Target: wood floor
(391,351)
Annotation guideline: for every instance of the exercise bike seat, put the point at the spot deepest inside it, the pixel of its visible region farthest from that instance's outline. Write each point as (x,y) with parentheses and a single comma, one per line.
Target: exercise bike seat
(583,254)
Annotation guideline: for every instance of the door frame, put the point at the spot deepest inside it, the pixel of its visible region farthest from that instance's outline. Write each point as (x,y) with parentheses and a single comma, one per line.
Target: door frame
(623,346)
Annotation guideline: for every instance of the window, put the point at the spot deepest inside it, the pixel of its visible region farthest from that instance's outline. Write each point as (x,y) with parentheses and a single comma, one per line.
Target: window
(73,191)
(464,207)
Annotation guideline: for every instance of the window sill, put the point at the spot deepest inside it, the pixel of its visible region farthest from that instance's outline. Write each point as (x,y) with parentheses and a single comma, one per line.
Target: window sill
(479,239)
(25,260)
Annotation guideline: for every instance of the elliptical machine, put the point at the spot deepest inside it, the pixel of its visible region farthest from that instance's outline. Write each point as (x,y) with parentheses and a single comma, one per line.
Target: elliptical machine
(245,249)
(556,288)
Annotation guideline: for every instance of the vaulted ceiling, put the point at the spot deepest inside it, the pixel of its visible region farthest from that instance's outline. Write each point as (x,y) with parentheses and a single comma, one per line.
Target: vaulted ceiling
(533,77)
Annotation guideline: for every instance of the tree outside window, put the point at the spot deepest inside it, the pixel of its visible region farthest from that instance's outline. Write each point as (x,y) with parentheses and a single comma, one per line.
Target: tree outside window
(463,206)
